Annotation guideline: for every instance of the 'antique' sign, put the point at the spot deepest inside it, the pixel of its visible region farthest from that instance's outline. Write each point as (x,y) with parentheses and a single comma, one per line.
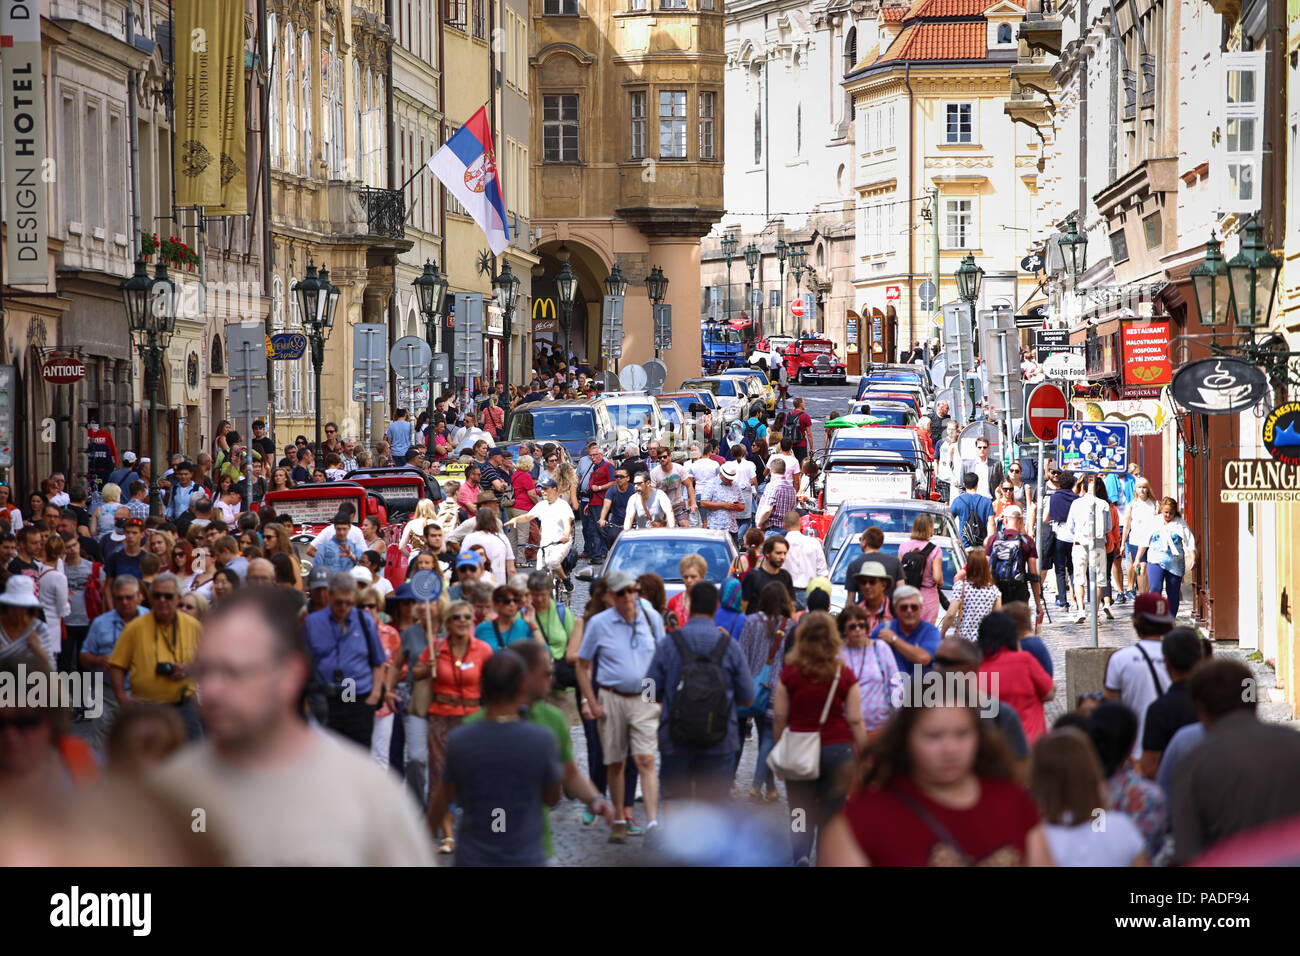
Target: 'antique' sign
(1259,479)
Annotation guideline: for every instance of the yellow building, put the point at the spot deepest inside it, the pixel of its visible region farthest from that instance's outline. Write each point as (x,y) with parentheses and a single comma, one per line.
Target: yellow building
(935,150)
(330,205)
(627,154)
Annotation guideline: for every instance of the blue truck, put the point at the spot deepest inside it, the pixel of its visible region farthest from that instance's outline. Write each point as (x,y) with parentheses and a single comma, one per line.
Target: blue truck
(720,347)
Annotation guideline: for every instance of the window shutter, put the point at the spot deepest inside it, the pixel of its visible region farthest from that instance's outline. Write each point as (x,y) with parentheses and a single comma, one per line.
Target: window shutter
(1239,153)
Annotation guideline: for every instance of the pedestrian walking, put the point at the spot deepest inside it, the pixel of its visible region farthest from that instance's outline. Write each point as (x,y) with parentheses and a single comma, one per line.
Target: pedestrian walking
(1170,554)
(1021,681)
(924,571)
(974,596)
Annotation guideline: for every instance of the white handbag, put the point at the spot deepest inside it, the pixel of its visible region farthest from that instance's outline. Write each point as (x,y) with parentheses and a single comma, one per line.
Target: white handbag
(798,755)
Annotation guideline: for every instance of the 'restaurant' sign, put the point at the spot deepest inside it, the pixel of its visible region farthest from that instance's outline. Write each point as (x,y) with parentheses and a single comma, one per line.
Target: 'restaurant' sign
(1259,479)
(1145,347)
(27,256)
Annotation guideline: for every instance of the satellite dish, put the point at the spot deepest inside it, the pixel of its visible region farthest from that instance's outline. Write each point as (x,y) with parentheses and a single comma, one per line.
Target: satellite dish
(657,373)
(426,585)
(981,429)
(633,378)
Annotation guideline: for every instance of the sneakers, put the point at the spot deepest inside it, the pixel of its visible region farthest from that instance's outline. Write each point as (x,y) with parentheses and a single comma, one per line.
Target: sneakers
(568,584)
(1081,617)
(1106,610)
(1122,599)
(588,818)
(618,833)
(634,828)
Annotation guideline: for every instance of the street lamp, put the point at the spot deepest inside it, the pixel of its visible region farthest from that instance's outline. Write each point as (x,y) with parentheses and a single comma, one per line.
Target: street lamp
(968,276)
(319,301)
(1253,273)
(752,256)
(798,260)
(615,286)
(431,289)
(151,305)
(656,287)
(782,250)
(567,284)
(1074,249)
(729,244)
(1211,286)
(507,287)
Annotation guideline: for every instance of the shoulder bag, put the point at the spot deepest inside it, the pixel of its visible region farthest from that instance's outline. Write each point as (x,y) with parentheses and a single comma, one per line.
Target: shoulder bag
(763,682)
(798,754)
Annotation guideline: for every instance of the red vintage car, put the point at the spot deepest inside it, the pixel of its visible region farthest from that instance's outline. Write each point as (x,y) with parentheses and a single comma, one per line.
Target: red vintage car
(813,360)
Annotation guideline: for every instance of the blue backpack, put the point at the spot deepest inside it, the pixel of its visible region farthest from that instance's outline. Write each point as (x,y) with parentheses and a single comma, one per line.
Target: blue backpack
(763,683)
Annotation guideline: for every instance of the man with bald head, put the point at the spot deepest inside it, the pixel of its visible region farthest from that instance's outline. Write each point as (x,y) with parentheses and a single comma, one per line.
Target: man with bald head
(260,573)
(957,655)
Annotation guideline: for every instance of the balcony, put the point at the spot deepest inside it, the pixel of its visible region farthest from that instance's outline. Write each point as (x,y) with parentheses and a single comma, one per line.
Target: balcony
(385,212)
(1041,28)
(375,217)
(1035,72)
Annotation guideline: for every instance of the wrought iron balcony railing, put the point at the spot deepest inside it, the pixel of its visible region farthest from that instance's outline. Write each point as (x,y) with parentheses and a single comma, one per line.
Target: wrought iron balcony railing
(385,212)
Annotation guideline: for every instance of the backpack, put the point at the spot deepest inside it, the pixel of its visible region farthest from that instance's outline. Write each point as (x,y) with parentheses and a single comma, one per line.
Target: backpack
(914,563)
(1008,560)
(751,432)
(973,529)
(701,708)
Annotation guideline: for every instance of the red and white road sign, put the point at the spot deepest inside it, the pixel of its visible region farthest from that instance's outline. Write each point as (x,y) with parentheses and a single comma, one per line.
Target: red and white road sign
(796,308)
(1045,411)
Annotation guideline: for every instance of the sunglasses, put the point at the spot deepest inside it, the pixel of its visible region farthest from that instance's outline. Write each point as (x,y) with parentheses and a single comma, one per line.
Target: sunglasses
(855,626)
(907,607)
(461,617)
(1014,471)
(508,601)
(164,596)
(626,591)
(370,607)
(981,447)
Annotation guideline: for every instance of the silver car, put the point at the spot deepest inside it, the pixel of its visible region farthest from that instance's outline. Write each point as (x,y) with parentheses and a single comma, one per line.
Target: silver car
(660,551)
(954,559)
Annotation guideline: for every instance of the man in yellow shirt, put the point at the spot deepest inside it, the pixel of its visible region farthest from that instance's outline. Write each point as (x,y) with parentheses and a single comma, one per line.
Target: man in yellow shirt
(156,650)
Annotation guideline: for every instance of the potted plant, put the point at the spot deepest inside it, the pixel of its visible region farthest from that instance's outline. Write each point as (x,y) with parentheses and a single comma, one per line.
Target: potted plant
(148,246)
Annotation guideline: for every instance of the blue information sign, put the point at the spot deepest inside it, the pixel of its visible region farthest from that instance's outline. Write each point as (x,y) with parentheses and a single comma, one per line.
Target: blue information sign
(1089,447)
(287,346)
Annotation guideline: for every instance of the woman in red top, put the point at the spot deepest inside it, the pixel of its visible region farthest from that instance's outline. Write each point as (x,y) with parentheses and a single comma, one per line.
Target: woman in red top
(455,694)
(749,559)
(813,670)
(939,791)
(694,569)
(1021,680)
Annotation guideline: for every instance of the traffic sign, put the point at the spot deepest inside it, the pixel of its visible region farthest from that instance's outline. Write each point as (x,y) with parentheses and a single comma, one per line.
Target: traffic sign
(927,292)
(1045,410)
(1085,446)
(796,308)
(1069,366)
(369,362)
(410,357)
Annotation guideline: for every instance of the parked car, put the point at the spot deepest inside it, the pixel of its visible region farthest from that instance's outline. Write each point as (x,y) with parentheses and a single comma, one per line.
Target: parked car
(954,559)
(852,475)
(813,360)
(899,414)
(890,515)
(765,392)
(568,423)
(660,551)
(731,395)
(637,417)
(690,415)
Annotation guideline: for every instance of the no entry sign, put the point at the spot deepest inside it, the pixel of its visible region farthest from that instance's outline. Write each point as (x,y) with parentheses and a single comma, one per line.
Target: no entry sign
(1045,410)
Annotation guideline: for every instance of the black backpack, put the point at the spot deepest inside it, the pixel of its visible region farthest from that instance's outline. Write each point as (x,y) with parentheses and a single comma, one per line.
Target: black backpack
(974,529)
(914,565)
(1008,560)
(701,708)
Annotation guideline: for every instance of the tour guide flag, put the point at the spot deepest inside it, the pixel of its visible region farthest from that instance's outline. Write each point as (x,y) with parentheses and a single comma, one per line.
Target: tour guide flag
(467,166)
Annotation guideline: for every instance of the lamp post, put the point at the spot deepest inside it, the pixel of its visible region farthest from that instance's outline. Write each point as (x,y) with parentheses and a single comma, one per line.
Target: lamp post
(729,244)
(431,289)
(798,260)
(615,285)
(567,285)
(151,314)
(782,250)
(507,285)
(656,287)
(751,259)
(1074,249)
(968,276)
(319,300)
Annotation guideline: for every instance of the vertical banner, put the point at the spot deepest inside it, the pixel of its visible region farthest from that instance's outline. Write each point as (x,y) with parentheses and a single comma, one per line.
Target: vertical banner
(27,261)
(211,165)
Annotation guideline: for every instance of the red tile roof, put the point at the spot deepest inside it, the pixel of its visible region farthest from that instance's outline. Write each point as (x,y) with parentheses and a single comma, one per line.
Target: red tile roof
(893,13)
(940,41)
(948,8)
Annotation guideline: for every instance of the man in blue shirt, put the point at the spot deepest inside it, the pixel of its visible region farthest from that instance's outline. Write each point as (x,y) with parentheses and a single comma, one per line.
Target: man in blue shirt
(183,487)
(336,554)
(100,640)
(398,434)
(349,661)
(970,503)
(708,770)
(625,637)
(913,640)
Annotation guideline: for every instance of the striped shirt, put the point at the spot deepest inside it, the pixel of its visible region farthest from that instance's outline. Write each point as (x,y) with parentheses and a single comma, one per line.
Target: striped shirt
(781,496)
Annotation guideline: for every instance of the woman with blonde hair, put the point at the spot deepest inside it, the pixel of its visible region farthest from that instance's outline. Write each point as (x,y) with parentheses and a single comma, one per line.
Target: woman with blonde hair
(932,579)
(814,674)
(112,495)
(161,543)
(52,585)
(195,605)
(426,513)
(566,479)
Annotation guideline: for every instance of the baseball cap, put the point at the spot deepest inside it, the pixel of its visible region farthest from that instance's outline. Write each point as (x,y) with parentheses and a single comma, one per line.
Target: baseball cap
(1153,607)
(546,481)
(128,457)
(619,581)
(871,569)
(318,577)
(362,574)
(498,450)
(469,559)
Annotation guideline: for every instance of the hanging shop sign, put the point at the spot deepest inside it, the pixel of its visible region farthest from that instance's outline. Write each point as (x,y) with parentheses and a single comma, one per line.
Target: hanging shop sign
(1259,479)
(1218,386)
(63,370)
(1282,433)
(1145,348)
(1145,417)
(286,346)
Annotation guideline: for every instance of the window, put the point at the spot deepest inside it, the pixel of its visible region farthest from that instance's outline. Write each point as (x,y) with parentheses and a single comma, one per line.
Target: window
(1118,246)
(672,124)
(273,119)
(560,128)
(295,368)
(706,4)
(69,134)
(758,134)
(114,179)
(1153,230)
(479,19)
(1239,155)
(356,119)
(798,129)
(307,105)
(637,110)
(454,13)
(381,137)
(1004,33)
(959,223)
(672,4)
(560,8)
(290,100)
(278,384)
(961,124)
(850,50)
(337,160)
(93,202)
(708,101)
(636,4)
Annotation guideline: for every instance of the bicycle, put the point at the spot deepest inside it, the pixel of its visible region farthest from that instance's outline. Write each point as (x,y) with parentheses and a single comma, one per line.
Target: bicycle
(559,593)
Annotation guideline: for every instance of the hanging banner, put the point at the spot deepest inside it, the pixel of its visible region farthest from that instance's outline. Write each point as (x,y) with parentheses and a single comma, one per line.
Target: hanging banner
(1144,417)
(27,260)
(211,166)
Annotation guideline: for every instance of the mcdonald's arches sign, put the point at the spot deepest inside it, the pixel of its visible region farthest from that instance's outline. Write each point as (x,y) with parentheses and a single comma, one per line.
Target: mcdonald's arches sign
(545,315)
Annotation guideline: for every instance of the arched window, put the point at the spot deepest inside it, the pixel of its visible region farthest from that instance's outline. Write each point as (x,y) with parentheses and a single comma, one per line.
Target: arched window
(218,361)
(295,368)
(1004,33)
(308,105)
(381,140)
(290,100)
(338,160)
(358,147)
(273,117)
(279,396)
(850,50)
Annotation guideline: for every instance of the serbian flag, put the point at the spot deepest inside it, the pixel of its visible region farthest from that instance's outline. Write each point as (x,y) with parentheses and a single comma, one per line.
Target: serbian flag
(467,166)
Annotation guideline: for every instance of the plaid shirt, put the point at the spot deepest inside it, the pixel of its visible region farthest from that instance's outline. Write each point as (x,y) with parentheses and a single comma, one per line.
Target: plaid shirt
(715,489)
(781,496)
(139,509)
